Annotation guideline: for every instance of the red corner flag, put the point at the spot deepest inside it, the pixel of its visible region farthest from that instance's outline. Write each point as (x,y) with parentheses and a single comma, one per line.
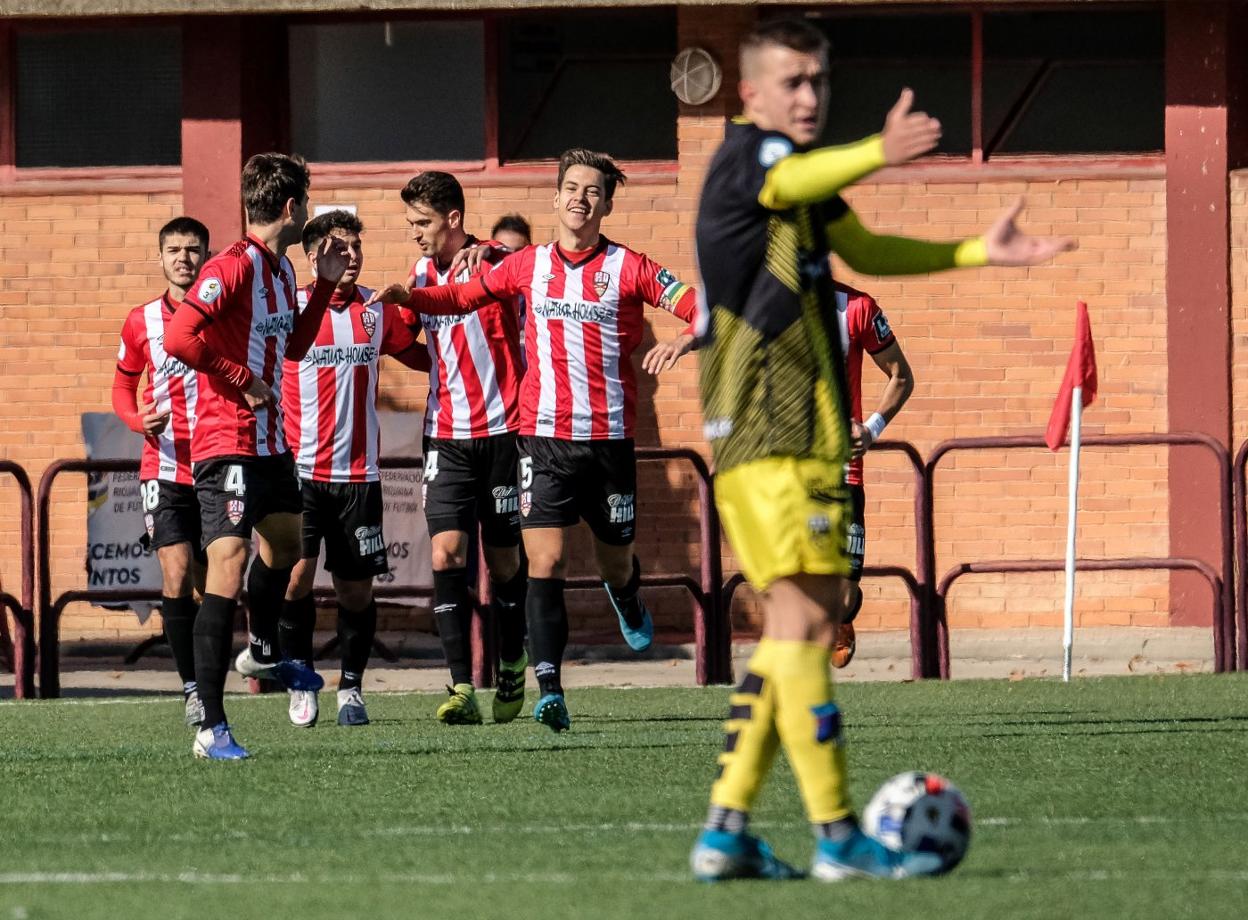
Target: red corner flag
(1080,372)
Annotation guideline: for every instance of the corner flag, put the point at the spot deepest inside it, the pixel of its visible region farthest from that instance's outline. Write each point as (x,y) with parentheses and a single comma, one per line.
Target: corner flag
(1080,375)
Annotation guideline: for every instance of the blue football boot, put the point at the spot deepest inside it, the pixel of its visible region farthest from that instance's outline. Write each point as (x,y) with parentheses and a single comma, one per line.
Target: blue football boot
(552,712)
(217,743)
(638,639)
(721,855)
(861,856)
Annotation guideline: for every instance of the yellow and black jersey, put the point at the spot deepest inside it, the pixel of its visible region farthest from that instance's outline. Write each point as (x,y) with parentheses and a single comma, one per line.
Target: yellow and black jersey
(772,381)
(771,366)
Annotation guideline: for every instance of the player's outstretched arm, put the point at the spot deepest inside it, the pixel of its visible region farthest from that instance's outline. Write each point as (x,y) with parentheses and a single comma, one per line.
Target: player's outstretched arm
(1003,244)
(443,300)
(808,178)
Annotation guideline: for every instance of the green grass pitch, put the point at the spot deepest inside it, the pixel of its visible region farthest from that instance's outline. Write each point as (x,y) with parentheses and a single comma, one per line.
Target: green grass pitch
(1102,798)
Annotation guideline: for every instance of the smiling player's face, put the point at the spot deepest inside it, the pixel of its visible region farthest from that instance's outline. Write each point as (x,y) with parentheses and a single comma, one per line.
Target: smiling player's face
(786,91)
(432,231)
(581,201)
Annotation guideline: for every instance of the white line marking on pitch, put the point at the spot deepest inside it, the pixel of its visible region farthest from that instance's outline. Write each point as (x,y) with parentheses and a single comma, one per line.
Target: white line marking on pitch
(629,827)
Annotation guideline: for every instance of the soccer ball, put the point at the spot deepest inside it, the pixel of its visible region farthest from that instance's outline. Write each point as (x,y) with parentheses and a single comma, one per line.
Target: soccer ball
(921,811)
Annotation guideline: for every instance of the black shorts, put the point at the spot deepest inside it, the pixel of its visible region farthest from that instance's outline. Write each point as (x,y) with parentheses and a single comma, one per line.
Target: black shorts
(347,516)
(856,547)
(237,492)
(562,482)
(170,515)
(469,481)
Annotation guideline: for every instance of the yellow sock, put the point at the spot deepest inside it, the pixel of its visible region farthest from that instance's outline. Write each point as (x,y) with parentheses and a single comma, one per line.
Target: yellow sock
(751,740)
(809,725)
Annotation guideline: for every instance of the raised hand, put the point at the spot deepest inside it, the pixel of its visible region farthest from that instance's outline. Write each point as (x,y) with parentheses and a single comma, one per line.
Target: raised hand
(1008,245)
(332,259)
(908,135)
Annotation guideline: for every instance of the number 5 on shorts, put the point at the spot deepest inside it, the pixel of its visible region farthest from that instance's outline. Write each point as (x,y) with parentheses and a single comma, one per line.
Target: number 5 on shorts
(234,481)
(526,472)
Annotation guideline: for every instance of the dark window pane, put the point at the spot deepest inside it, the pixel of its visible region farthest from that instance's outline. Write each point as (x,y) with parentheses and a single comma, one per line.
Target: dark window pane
(102,97)
(875,57)
(409,91)
(1087,82)
(595,79)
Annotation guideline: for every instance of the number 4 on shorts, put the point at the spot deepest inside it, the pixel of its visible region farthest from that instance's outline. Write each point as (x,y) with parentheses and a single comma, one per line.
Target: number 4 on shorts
(431,466)
(234,481)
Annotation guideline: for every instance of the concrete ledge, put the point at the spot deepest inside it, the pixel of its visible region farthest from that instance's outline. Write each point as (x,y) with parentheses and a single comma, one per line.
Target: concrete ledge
(1011,654)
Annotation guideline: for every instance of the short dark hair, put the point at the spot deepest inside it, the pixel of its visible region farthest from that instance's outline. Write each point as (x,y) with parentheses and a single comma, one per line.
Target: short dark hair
(438,190)
(513,223)
(794,34)
(269,181)
(184,226)
(579,156)
(323,225)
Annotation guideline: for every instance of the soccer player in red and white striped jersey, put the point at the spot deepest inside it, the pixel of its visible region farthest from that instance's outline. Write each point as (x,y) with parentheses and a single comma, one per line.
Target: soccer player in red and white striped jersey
(470,448)
(166,418)
(864,328)
(585,296)
(329,402)
(237,325)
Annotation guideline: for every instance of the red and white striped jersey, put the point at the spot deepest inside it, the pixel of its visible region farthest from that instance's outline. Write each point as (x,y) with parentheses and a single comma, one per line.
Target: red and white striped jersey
(329,399)
(171,386)
(246,324)
(584,322)
(474,382)
(864,327)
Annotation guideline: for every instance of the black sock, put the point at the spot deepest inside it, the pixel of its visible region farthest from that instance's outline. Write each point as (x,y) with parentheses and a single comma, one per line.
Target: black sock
(719,818)
(214,634)
(356,629)
(178,615)
(626,598)
(452,605)
(548,631)
(836,831)
(266,595)
(509,613)
(296,627)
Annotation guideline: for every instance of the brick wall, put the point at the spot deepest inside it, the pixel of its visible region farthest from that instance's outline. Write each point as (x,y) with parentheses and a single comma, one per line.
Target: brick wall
(987,348)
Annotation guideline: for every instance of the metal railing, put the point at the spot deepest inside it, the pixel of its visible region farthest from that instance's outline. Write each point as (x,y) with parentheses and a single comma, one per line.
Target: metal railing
(1224,604)
(19,648)
(711,595)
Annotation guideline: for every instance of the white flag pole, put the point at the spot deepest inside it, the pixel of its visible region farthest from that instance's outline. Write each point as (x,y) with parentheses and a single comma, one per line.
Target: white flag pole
(1076,437)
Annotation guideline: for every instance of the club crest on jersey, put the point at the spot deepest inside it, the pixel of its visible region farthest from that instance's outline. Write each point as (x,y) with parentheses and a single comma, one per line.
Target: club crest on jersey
(602,282)
(234,510)
(209,291)
(368,320)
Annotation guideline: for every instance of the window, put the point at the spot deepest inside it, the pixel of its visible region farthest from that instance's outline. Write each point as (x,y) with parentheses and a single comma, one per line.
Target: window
(1086,82)
(403,90)
(875,57)
(595,79)
(100,97)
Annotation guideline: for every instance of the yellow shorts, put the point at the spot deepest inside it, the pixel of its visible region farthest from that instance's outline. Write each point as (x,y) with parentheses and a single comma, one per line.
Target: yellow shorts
(785,515)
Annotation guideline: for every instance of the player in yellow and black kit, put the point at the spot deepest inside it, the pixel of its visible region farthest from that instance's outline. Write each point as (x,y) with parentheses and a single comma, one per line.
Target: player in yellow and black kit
(774,400)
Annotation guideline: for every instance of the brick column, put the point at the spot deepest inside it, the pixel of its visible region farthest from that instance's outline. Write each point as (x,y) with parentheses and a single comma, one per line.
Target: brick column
(1197,283)
(234,104)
